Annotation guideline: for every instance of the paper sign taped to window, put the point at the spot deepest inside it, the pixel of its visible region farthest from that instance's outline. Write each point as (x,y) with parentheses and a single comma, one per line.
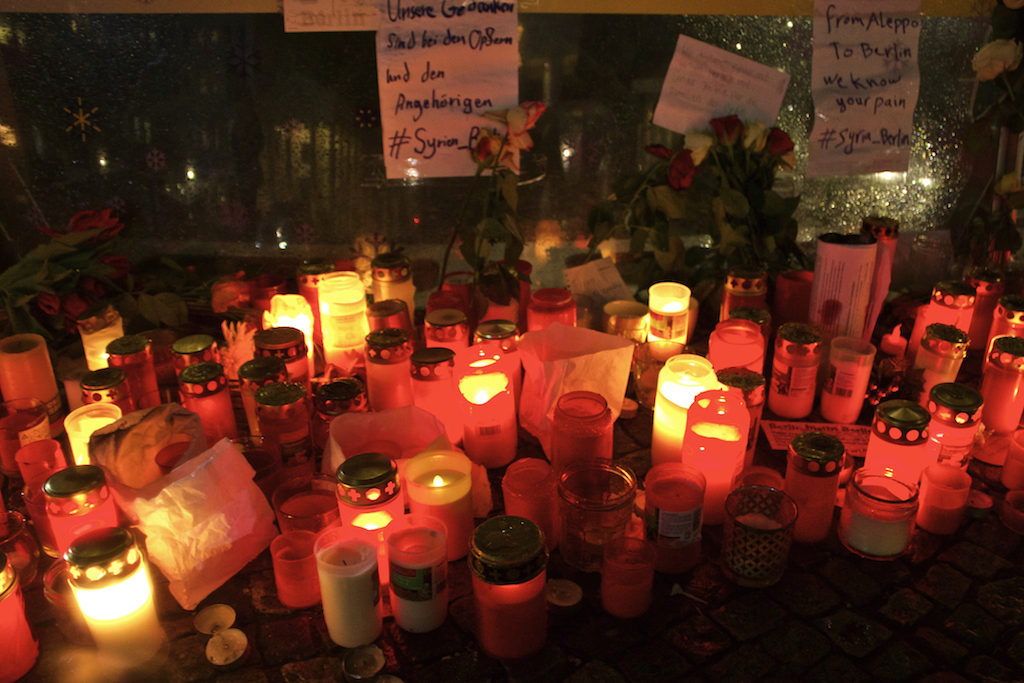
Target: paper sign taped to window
(705,82)
(330,15)
(780,432)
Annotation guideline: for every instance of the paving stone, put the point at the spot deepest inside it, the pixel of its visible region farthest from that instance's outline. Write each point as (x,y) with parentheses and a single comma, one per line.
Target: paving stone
(549,664)
(886,573)
(699,637)
(804,594)
(595,671)
(835,667)
(991,534)
(899,661)
(419,648)
(944,584)
(985,668)
(906,606)
(460,580)
(624,442)
(246,675)
(638,461)
(1004,600)
(462,613)
(264,594)
(319,669)
(853,633)
(795,646)
(186,659)
(943,677)
(940,645)
(707,584)
(748,662)
(284,640)
(651,660)
(748,615)
(600,636)
(640,427)
(851,582)
(237,595)
(974,560)
(468,665)
(972,624)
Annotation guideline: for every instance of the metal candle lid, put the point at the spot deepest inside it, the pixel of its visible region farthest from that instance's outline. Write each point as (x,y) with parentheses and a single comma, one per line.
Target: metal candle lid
(761,316)
(747,281)
(202,379)
(127,345)
(901,421)
(388,313)
(74,480)
(1011,309)
(432,363)
(803,339)
(945,340)
(194,344)
(97,318)
(390,267)
(286,342)
(821,452)
(263,369)
(278,394)
(102,556)
(445,317)
(507,549)
(102,379)
(489,330)
(367,479)
(880,227)
(750,382)
(954,294)
(987,281)
(1007,352)
(345,395)
(955,403)
(387,346)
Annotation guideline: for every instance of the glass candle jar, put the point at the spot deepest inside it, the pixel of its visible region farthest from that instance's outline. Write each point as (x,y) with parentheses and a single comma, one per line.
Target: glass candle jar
(282,410)
(263,288)
(389,313)
(308,276)
(878,515)
(306,501)
(288,344)
(508,563)
(131,353)
(943,498)
(110,582)
(669,305)
(885,230)
(595,506)
(673,515)
(349,575)
(798,352)
(716,444)
(1002,384)
(26,372)
(343,318)
(501,338)
(418,572)
(898,444)
(82,422)
(626,318)
(98,327)
(955,411)
(253,374)
(78,500)
(581,429)
(761,317)
(433,388)
(529,489)
(989,287)
(735,342)
(20,647)
(439,484)
(344,395)
(195,348)
(751,386)
(446,327)
(392,279)
(744,287)
(369,493)
(288,311)
(107,385)
(940,356)
(679,381)
(952,303)
(490,430)
(204,391)
(1007,318)
(550,305)
(388,382)
(22,421)
(757,535)
(627,577)
(850,360)
(19,544)
(813,463)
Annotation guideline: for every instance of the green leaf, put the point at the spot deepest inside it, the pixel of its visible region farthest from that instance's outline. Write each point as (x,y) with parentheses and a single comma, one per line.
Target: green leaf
(509,190)
(734,202)
(666,200)
(491,229)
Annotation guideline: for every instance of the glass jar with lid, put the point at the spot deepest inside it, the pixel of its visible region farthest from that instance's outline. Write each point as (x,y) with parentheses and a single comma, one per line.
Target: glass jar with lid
(132,354)
(898,444)
(282,409)
(388,382)
(955,411)
(204,391)
(951,303)
(1002,385)
(813,464)
(550,305)
(108,385)
(288,344)
(433,387)
(798,353)
(253,374)
(743,287)
(581,429)
(1007,318)
(940,356)
(989,287)
(194,348)
(392,279)
(334,398)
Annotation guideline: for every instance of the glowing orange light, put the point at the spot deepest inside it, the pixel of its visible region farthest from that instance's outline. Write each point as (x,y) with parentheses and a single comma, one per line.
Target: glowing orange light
(372,521)
(291,310)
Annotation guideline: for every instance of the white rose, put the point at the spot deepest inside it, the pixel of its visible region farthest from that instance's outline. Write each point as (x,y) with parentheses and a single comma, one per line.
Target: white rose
(997,57)
(755,135)
(698,143)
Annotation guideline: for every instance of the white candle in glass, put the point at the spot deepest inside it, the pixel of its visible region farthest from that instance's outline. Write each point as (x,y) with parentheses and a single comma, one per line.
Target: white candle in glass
(669,305)
(343,318)
(439,484)
(349,587)
(679,381)
(490,432)
(82,422)
(418,570)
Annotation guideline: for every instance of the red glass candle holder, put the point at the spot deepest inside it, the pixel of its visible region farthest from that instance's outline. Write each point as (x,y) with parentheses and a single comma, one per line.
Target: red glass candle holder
(715,443)
(78,500)
(195,348)
(627,577)
(550,305)
(490,429)
(288,344)
(132,354)
(204,391)
(20,647)
(282,411)
(388,383)
(736,343)
(581,429)
(529,489)
(22,422)
(673,515)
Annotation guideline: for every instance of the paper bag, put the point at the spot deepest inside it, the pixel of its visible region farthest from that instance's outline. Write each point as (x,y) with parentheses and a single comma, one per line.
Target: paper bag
(208,520)
(561,359)
(398,433)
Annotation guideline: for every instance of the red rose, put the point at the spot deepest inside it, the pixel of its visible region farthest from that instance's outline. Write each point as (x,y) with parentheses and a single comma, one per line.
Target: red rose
(778,142)
(93,288)
(682,170)
(118,264)
(89,220)
(728,129)
(660,151)
(74,306)
(48,302)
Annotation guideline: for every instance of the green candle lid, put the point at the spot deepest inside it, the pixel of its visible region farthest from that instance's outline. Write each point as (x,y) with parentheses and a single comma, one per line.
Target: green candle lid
(507,549)
(495,329)
(201,373)
(955,402)
(192,344)
(901,421)
(102,555)
(263,368)
(1009,344)
(761,316)
(818,447)
(280,393)
(367,479)
(73,480)
(128,345)
(104,378)
(946,333)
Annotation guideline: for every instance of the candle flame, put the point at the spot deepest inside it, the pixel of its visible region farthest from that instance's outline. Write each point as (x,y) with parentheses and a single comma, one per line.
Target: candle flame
(371,521)
(437,481)
(479,389)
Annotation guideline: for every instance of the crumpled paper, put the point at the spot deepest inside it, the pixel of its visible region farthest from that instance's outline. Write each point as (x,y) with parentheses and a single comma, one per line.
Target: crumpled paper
(206,522)
(561,359)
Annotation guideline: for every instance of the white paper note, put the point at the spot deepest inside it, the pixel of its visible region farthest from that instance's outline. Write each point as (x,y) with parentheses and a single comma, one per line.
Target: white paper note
(599,279)
(330,15)
(705,82)
(440,66)
(780,432)
(865,82)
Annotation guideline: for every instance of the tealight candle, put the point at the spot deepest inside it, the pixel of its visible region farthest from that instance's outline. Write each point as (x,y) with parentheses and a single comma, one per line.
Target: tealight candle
(417,553)
(716,444)
(490,432)
(679,381)
(669,304)
(349,587)
(98,328)
(20,647)
(26,372)
(82,422)
(110,582)
(439,484)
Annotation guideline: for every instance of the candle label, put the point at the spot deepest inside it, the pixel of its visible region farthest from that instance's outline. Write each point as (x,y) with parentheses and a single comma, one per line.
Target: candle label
(54,409)
(418,584)
(674,528)
(36,432)
(789,380)
(839,383)
(344,331)
(295,447)
(669,325)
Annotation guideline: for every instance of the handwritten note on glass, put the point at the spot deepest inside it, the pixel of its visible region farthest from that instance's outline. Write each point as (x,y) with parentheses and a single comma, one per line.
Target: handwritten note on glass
(704,82)
(865,83)
(329,15)
(440,66)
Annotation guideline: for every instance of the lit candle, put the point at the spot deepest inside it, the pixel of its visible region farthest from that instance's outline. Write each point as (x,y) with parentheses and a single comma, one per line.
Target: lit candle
(500,338)
(22,421)
(433,388)
(898,444)
(627,577)
(78,500)
(490,432)
(98,328)
(952,303)
(736,343)
(439,484)
(1002,385)
(716,443)
(669,304)
(447,327)
(846,382)
(943,498)
(679,381)
(343,318)
(349,588)
(878,515)
(388,366)
(392,279)
(418,571)
(26,372)
(82,422)
(292,311)
(108,385)
(204,391)
(308,276)
(20,647)
(939,357)
(131,354)
(370,500)
(110,582)
(813,463)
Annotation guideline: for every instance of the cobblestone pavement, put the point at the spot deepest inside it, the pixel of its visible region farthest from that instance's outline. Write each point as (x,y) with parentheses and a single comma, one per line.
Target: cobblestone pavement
(951,609)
